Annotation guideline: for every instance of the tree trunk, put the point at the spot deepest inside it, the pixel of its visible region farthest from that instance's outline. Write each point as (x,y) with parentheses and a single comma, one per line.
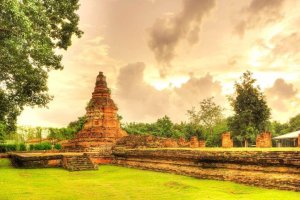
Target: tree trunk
(246,143)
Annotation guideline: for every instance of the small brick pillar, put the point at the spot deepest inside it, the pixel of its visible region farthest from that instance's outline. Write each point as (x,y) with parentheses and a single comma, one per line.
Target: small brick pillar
(170,143)
(299,140)
(202,143)
(194,143)
(264,140)
(226,140)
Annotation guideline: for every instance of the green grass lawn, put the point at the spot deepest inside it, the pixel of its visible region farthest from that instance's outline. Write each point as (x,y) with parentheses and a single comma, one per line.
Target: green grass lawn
(111,182)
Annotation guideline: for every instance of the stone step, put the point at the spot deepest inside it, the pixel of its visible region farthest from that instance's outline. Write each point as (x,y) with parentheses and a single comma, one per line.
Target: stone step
(78,163)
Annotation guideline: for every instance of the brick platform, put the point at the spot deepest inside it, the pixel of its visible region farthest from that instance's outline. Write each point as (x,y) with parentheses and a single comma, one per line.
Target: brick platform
(269,169)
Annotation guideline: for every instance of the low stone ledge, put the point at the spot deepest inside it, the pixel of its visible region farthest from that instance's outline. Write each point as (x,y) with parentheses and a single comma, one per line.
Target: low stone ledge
(269,169)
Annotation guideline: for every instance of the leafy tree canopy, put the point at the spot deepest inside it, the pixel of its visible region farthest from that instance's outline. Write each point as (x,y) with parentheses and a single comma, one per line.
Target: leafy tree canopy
(252,113)
(294,123)
(208,115)
(30,33)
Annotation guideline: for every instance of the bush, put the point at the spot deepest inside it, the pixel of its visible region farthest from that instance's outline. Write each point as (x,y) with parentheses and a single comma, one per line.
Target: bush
(2,148)
(57,146)
(31,147)
(22,147)
(11,147)
(46,146)
(41,146)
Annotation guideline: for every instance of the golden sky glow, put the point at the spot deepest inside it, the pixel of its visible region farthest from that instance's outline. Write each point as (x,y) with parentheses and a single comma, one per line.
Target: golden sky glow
(164,56)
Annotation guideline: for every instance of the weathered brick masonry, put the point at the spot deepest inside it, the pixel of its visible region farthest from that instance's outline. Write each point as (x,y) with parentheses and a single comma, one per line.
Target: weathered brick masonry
(226,140)
(264,140)
(102,127)
(269,169)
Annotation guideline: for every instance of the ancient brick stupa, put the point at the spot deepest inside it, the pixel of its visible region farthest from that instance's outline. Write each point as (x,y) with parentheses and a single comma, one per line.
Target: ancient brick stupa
(102,127)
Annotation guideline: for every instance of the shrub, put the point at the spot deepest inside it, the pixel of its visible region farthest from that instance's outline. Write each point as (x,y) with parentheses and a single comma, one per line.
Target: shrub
(41,146)
(22,147)
(11,147)
(46,146)
(31,147)
(57,146)
(2,148)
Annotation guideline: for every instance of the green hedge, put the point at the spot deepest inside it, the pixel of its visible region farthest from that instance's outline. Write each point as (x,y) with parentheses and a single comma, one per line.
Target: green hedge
(57,146)
(8,147)
(41,146)
(22,147)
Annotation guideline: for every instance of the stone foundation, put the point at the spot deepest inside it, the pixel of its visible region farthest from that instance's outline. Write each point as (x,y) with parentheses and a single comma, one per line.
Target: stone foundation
(48,160)
(264,140)
(270,169)
(226,140)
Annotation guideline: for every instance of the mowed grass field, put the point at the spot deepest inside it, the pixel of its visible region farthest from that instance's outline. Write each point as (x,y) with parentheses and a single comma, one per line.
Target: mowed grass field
(118,183)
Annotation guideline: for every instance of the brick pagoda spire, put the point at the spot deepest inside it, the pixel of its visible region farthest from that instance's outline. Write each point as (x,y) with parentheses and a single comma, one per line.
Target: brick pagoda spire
(102,127)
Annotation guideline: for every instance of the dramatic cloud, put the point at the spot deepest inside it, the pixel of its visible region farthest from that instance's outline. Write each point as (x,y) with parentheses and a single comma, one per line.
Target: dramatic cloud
(139,101)
(161,34)
(258,14)
(285,45)
(280,95)
(282,89)
(169,30)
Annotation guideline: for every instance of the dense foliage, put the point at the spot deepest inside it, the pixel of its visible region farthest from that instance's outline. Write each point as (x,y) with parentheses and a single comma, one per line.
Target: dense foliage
(12,147)
(67,132)
(164,127)
(209,116)
(31,31)
(40,146)
(251,112)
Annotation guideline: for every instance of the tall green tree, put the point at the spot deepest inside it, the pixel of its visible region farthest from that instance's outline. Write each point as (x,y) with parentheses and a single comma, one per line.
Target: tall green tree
(294,123)
(251,112)
(2,132)
(31,31)
(208,115)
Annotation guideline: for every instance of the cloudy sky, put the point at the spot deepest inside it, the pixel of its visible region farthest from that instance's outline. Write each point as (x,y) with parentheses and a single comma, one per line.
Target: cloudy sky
(161,57)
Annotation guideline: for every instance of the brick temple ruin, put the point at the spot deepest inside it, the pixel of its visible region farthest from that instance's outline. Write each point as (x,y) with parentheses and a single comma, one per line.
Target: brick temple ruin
(102,127)
(103,141)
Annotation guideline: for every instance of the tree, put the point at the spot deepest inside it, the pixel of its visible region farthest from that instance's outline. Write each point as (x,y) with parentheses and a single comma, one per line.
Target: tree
(294,123)
(279,128)
(78,124)
(30,33)
(252,113)
(208,115)
(164,127)
(2,132)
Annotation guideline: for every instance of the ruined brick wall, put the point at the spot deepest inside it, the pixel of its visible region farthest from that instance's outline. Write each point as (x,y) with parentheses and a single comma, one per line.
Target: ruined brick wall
(264,140)
(149,141)
(299,140)
(274,169)
(202,143)
(226,140)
